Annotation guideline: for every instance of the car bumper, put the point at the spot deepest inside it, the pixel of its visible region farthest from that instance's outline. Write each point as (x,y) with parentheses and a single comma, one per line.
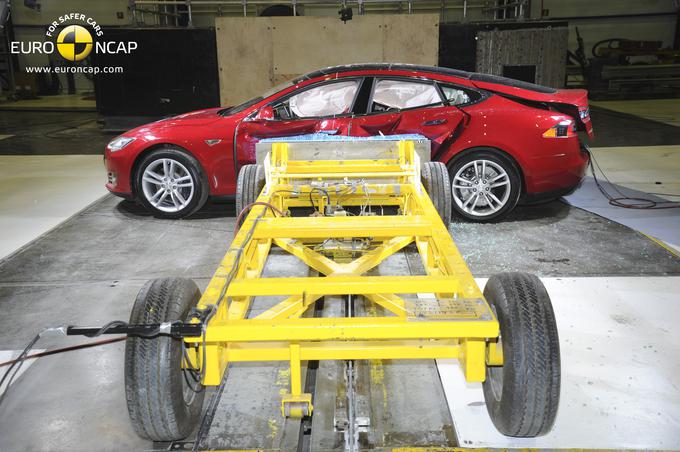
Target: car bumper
(559,170)
(546,196)
(118,167)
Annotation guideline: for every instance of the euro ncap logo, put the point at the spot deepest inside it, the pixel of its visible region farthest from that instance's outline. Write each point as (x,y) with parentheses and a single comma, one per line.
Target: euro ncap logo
(74,43)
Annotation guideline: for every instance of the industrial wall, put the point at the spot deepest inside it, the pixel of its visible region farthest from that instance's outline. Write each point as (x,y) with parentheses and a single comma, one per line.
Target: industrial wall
(255,54)
(653,20)
(596,19)
(540,47)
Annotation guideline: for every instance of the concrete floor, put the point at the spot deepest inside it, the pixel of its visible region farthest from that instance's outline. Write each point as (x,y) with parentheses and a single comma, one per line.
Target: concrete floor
(659,110)
(650,169)
(89,269)
(81,273)
(37,193)
(51,133)
(57,102)
(617,337)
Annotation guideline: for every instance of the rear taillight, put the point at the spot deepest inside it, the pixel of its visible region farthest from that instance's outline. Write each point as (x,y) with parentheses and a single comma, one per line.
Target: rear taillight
(563,129)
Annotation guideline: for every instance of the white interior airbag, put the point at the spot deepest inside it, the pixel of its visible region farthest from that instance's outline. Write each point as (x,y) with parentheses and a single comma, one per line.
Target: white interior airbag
(326,100)
(400,94)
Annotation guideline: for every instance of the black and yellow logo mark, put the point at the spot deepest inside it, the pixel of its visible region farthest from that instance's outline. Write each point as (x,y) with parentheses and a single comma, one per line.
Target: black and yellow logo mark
(74,43)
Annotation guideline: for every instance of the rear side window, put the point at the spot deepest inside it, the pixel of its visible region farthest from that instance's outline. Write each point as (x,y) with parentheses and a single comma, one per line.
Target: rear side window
(401,94)
(459,96)
(330,99)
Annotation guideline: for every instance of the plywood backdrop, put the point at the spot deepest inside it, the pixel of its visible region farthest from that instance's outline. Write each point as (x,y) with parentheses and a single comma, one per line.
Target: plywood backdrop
(257,53)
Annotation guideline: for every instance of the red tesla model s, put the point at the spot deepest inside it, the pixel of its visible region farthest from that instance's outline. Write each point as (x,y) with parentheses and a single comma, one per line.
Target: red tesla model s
(504,141)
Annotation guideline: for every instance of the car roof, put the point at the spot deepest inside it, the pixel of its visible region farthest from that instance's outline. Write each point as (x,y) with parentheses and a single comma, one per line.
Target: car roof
(474,76)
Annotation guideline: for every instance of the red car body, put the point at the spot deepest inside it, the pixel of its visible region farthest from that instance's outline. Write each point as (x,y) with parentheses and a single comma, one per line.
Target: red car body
(510,116)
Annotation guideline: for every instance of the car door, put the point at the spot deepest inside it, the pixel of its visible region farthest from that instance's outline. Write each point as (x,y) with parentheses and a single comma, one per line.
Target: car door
(324,107)
(409,106)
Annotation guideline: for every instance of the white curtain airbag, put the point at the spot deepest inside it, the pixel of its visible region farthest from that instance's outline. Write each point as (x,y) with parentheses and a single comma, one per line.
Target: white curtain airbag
(326,100)
(399,94)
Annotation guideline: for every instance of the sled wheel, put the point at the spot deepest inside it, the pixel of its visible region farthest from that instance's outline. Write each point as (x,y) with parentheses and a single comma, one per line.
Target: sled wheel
(164,401)
(522,395)
(435,178)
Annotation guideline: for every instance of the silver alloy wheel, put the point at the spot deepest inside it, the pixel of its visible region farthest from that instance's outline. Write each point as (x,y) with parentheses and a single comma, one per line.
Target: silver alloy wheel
(481,188)
(167,185)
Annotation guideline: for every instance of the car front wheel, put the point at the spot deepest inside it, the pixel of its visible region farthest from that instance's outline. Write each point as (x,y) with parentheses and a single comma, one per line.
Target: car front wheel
(484,186)
(171,184)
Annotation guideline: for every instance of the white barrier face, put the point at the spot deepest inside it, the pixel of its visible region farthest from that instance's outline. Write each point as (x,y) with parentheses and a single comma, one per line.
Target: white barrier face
(349,149)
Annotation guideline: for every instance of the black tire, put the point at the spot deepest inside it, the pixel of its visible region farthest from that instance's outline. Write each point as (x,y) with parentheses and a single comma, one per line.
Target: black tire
(199,179)
(249,185)
(522,395)
(435,178)
(154,380)
(496,158)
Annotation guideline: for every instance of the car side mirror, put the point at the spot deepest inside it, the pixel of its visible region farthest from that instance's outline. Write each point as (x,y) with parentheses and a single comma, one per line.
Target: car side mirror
(265,113)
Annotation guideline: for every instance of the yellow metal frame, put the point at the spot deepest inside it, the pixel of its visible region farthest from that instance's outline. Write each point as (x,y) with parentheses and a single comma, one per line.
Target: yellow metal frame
(453,321)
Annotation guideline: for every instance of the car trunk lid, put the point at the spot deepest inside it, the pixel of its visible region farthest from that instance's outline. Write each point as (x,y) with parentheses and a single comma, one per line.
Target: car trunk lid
(573,102)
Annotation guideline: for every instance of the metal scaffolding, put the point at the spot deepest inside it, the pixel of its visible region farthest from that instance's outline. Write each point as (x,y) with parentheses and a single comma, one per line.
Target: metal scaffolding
(172,12)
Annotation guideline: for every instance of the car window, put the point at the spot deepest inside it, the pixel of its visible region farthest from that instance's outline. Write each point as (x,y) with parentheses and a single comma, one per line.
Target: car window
(400,94)
(330,99)
(249,103)
(458,96)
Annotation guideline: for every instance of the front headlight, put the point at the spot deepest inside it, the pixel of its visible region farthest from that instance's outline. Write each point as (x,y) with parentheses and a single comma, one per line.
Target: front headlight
(119,143)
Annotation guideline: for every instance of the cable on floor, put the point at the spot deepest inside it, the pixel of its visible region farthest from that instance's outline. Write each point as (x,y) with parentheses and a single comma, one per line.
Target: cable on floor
(71,348)
(16,364)
(623,200)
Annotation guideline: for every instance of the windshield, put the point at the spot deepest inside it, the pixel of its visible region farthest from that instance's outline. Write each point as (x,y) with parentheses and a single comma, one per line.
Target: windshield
(249,103)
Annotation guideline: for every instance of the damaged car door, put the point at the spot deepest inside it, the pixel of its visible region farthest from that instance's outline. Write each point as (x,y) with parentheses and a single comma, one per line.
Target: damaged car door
(410,106)
(323,107)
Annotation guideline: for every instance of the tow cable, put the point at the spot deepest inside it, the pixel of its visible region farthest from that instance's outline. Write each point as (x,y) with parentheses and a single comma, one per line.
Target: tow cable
(175,329)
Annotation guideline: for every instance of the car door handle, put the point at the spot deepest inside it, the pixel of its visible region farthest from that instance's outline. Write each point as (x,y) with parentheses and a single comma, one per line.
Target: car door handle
(435,122)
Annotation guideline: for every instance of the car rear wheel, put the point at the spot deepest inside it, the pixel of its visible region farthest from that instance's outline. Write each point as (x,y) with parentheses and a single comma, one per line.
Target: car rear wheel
(170,184)
(484,186)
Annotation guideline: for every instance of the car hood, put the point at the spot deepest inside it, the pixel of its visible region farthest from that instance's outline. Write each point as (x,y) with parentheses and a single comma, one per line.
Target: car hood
(194,118)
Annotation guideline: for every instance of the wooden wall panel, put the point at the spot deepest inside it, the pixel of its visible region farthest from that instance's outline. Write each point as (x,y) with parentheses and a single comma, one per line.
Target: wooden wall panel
(411,38)
(257,53)
(244,56)
(303,44)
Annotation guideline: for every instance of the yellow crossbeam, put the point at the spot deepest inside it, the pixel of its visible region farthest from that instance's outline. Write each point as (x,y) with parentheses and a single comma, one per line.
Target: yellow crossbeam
(343,285)
(310,257)
(352,329)
(395,349)
(390,302)
(340,227)
(290,307)
(373,258)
